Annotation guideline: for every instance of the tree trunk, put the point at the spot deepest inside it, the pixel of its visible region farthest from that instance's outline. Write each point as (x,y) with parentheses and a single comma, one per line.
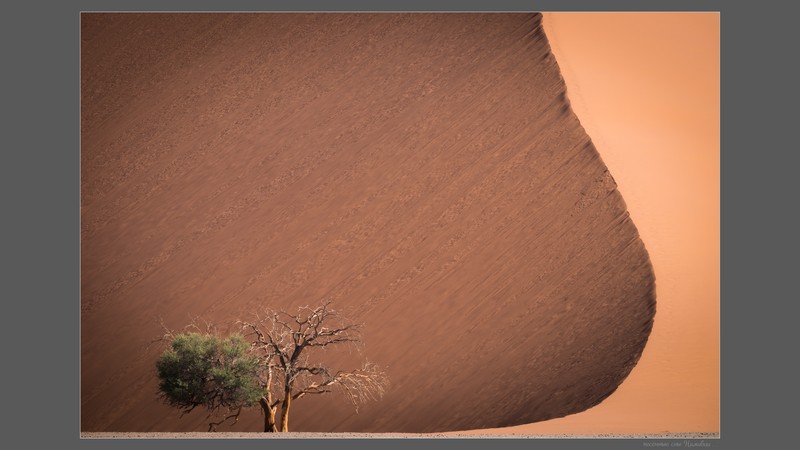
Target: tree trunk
(287,403)
(269,407)
(269,416)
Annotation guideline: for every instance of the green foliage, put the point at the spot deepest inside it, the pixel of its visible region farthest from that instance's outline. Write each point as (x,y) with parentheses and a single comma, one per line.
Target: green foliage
(206,370)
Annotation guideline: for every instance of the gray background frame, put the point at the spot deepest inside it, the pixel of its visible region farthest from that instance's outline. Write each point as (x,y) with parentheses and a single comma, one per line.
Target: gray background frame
(41,249)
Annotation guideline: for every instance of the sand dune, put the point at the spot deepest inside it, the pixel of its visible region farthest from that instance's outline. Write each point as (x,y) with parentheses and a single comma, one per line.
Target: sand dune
(651,105)
(423,171)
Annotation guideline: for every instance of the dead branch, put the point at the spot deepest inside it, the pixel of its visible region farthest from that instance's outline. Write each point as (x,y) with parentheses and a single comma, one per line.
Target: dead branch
(286,339)
(212,426)
(168,334)
(365,384)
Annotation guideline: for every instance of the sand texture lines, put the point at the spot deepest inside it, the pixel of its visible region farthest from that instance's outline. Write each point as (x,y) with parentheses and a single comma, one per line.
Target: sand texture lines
(424,172)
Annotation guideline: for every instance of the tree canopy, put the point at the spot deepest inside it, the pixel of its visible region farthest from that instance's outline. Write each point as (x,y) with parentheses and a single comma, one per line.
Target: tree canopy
(206,370)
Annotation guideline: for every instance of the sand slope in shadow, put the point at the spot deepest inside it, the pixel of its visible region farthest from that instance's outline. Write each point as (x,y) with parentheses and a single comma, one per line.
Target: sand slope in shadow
(423,171)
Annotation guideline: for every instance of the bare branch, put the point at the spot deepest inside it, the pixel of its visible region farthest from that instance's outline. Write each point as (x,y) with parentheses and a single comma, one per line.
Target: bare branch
(168,334)
(212,426)
(286,340)
(365,384)
(308,391)
(187,410)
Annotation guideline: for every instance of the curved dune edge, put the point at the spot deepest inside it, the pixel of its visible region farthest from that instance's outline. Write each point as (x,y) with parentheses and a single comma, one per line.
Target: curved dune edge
(424,171)
(651,105)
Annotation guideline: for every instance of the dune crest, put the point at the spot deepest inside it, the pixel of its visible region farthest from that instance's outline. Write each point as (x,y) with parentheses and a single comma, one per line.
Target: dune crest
(423,171)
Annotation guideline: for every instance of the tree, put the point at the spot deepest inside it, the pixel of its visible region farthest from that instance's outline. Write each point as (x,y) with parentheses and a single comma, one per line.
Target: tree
(272,370)
(205,370)
(286,342)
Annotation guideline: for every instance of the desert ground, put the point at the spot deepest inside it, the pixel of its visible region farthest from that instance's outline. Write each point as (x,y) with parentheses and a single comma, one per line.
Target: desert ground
(395,436)
(424,172)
